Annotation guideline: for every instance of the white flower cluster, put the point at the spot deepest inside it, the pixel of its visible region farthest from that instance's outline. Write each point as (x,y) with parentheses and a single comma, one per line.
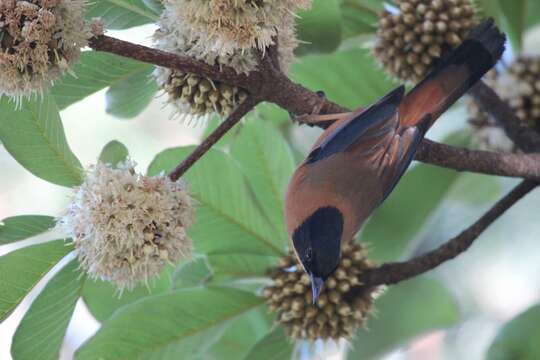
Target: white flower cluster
(126,226)
(223,32)
(39,40)
(226,26)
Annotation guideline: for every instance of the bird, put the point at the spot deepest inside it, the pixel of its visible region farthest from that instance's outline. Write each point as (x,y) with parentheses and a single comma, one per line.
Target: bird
(358,160)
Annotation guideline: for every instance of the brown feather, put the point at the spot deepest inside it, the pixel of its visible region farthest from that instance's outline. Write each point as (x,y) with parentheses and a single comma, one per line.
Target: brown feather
(353,181)
(434,96)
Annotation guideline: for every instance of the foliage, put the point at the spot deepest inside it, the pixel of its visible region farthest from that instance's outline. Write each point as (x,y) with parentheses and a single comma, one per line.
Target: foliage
(41,331)
(22,227)
(406,311)
(204,307)
(34,136)
(517,339)
(23,269)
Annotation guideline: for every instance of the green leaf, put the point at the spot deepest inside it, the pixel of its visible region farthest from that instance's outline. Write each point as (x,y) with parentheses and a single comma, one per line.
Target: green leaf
(514,16)
(509,15)
(41,331)
(96,71)
(158,324)
(533,13)
(121,14)
(22,269)
(422,187)
(103,299)
(349,78)
(404,312)
(240,265)
(489,8)
(35,137)
(227,219)
(518,338)
(154,5)
(319,28)
(191,274)
(23,227)
(359,17)
(274,346)
(374,5)
(267,161)
(270,113)
(114,153)
(129,97)
(212,124)
(241,335)
(475,189)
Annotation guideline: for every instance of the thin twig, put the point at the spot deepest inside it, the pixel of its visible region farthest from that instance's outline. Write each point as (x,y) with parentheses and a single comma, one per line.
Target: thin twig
(213,138)
(392,273)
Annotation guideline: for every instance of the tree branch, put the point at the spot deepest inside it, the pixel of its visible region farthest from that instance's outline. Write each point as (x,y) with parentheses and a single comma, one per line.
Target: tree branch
(173,61)
(213,138)
(392,273)
(267,83)
(484,162)
(270,84)
(297,99)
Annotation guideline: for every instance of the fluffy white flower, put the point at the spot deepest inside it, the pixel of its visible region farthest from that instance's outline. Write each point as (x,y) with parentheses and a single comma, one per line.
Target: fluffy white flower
(126,226)
(225,26)
(175,35)
(39,40)
(226,33)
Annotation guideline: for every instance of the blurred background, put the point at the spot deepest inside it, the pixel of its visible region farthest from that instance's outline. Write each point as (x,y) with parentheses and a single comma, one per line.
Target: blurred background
(489,284)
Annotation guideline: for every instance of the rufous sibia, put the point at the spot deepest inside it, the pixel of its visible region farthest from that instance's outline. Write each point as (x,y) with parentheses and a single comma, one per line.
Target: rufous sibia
(358,160)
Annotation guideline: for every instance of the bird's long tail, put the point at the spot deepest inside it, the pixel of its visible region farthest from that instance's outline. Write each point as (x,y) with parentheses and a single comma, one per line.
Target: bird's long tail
(453,76)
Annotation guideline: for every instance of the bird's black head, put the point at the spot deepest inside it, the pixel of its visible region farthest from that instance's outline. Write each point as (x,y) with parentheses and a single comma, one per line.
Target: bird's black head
(318,245)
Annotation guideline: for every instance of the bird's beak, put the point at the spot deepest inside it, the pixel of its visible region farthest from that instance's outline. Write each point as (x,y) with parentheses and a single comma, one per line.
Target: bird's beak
(316,287)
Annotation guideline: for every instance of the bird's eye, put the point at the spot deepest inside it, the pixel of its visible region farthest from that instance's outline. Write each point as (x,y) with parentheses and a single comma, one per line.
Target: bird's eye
(309,254)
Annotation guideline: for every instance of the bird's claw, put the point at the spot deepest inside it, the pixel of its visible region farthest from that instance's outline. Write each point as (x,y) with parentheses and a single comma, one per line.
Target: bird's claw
(311,119)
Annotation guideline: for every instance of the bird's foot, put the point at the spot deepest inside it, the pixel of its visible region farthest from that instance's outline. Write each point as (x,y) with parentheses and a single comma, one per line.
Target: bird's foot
(315,118)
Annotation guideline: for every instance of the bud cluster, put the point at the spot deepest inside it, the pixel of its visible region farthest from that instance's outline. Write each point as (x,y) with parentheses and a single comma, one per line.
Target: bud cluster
(519,87)
(343,304)
(204,96)
(410,42)
(487,135)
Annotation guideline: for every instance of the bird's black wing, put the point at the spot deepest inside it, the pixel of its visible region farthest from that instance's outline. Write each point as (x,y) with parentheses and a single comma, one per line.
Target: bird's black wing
(349,133)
